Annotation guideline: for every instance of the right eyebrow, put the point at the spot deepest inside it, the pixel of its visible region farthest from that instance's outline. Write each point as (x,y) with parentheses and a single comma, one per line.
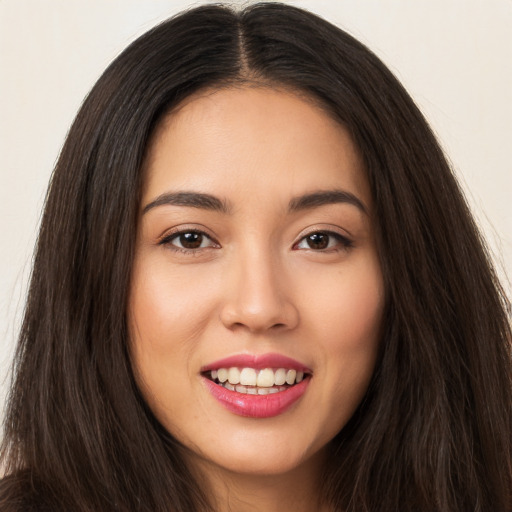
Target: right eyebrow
(191,199)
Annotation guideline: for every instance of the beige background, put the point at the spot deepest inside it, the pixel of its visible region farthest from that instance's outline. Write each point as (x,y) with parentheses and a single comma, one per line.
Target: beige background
(454,57)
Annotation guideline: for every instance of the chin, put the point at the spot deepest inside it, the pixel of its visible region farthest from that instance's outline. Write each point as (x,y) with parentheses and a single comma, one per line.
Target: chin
(264,458)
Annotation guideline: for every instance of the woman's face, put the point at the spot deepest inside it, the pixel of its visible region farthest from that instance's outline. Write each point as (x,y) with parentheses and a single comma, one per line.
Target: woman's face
(256,262)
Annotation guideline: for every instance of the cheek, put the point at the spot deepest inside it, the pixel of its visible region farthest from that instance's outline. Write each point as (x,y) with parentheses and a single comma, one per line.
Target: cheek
(167,310)
(347,319)
(348,306)
(165,315)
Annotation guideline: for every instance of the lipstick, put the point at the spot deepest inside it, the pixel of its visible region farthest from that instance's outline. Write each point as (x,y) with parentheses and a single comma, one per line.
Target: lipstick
(258,362)
(255,405)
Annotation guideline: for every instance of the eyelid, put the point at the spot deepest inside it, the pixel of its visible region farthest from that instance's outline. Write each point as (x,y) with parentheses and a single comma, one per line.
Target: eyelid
(185,228)
(324,228)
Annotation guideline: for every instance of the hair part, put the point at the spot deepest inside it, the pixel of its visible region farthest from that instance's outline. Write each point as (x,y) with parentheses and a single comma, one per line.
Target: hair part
(433,432)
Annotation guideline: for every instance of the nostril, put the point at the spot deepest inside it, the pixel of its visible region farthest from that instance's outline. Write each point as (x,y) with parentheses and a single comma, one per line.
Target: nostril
(237,314)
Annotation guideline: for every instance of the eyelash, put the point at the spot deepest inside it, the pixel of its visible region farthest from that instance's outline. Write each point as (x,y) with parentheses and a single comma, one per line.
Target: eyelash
(167,241)
(345,242)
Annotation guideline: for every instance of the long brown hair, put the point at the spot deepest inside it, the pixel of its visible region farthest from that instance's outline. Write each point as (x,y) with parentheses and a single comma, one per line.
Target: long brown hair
(433,431)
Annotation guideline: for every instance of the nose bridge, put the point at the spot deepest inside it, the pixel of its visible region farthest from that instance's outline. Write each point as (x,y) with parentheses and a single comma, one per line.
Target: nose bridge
(260,298)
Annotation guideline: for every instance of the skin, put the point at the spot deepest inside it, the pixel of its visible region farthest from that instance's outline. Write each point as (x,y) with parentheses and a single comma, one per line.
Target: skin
(255,285)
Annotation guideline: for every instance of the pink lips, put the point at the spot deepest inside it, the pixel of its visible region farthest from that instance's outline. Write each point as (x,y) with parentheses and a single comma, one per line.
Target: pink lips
(257,406)
(258,362)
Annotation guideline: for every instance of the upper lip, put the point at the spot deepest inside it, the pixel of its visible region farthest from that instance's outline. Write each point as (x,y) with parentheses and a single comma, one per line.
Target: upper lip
(258,362)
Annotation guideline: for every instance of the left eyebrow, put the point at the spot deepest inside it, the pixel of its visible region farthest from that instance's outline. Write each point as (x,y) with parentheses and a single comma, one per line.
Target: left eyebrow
(324,197)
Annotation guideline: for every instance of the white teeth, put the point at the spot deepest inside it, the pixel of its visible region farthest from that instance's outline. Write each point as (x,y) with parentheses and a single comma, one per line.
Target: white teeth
(256,382)
(222,374)
(280,377)
(290,377)
(234,375)
(254,390)
(248,377)
(265,378)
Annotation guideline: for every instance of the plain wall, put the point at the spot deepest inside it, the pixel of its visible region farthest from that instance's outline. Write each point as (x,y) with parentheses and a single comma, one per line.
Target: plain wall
(452,55)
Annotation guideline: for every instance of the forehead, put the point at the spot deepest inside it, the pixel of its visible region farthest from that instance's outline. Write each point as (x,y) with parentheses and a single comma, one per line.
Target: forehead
(252,140)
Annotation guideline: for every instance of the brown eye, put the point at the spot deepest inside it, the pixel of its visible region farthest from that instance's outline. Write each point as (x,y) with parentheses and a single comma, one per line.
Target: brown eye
(190,240)
(324,240)
(317,241)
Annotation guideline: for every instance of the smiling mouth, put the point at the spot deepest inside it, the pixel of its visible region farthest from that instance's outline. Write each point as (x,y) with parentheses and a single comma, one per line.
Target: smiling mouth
(253,381)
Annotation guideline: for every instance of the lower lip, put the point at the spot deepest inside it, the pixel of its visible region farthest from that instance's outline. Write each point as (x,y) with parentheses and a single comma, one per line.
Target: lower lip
(257,406)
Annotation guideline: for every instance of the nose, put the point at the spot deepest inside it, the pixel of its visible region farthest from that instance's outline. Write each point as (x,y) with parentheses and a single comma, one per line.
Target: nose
(259,298)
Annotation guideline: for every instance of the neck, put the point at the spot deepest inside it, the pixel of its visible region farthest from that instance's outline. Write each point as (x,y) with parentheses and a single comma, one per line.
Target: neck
(298,489)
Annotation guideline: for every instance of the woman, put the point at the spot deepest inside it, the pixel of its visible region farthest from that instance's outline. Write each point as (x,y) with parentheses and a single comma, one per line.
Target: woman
(257,287)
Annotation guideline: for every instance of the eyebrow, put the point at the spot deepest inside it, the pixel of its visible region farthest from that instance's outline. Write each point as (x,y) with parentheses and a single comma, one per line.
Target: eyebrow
(213,203)
(324,197)
(190,199)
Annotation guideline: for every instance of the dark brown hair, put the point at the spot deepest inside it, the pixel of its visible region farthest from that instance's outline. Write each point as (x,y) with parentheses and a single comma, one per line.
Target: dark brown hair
(433,432)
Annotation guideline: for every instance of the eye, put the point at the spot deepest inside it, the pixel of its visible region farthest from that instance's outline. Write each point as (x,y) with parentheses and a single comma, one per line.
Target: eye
(189,240)
(323,240)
